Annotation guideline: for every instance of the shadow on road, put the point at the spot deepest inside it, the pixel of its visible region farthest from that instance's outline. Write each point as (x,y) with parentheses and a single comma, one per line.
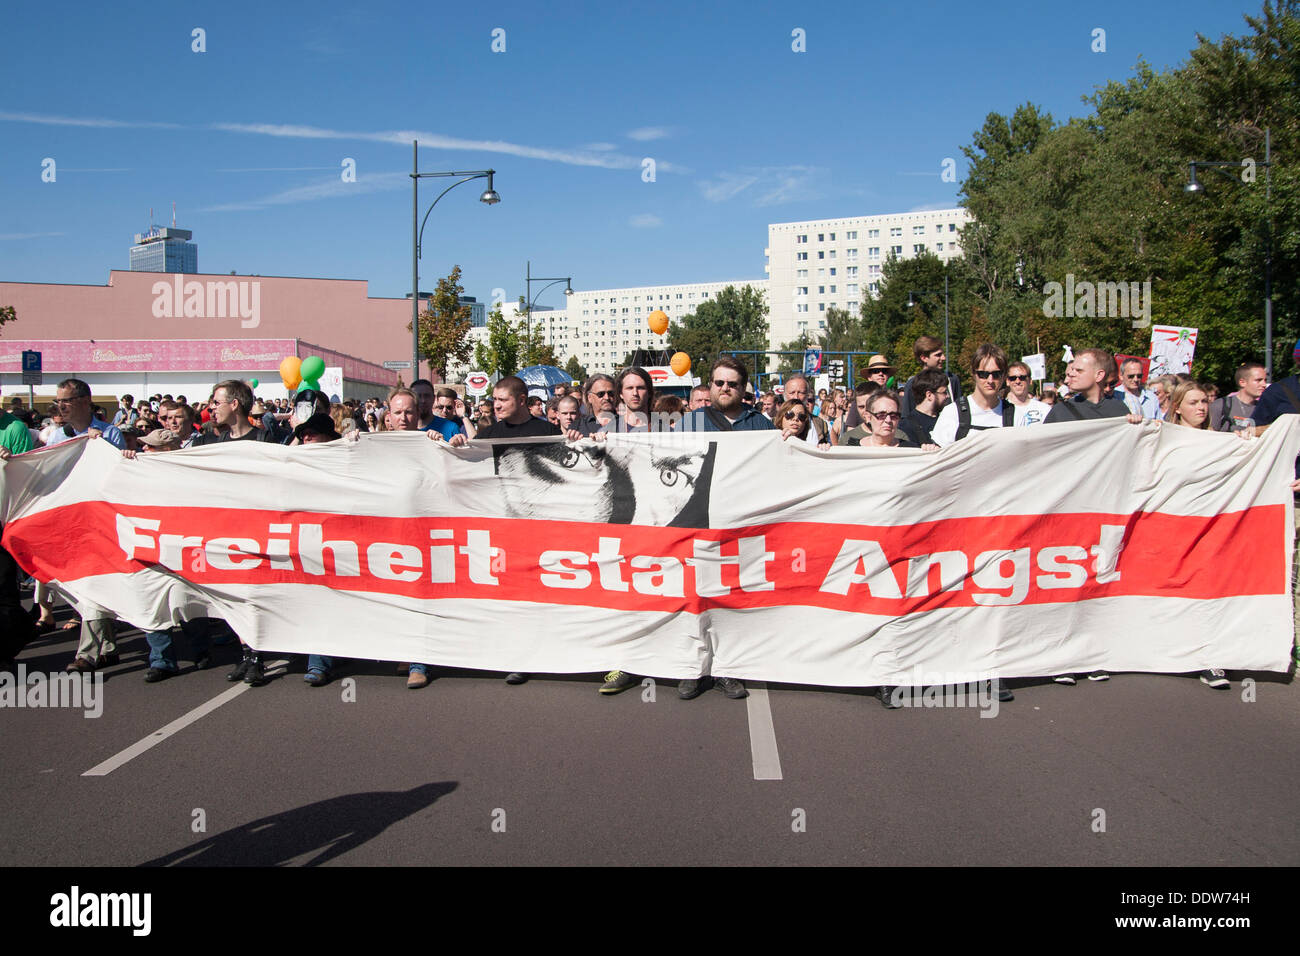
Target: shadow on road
(326,829)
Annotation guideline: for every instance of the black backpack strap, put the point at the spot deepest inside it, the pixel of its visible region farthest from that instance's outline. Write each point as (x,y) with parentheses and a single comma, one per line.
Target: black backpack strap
(1290,393)
(963,417)
(1008,414)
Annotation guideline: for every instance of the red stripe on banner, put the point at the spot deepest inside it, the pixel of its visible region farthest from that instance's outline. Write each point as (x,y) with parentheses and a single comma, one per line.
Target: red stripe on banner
(958,562)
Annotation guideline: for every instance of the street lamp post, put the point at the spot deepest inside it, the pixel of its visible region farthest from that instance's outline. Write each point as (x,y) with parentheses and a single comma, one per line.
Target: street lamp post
(1194,186)
(489,197)
(911,302)
(531,299)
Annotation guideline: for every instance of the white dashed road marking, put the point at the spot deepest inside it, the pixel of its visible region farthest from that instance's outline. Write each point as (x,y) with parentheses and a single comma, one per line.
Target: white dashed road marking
(179,724)
(762,735)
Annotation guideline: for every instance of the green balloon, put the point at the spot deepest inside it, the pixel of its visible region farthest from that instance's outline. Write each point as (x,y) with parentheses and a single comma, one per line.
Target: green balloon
(253,382)
(311,383)
(313,367)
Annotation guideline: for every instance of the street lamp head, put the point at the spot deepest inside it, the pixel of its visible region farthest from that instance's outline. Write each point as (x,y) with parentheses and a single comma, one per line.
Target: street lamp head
(911,303)
(568,287)
(1193,186)
(490,196)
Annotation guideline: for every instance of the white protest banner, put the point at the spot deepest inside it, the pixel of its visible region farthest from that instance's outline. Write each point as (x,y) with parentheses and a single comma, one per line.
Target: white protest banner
(1172,348)
(1134,547)
(1037,365)
(331,383)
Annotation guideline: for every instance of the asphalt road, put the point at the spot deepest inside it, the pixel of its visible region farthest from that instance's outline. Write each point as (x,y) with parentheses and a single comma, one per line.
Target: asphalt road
(472,771)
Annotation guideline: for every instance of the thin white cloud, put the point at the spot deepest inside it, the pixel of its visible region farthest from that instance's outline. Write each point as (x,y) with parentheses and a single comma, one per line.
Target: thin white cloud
(646,133)
(430,140)
(332,188)
(91,169)
(598,156)
(766,185)
(27,235)
(645,220)
(600,147)
(95,122)
(932,207)
(278,169)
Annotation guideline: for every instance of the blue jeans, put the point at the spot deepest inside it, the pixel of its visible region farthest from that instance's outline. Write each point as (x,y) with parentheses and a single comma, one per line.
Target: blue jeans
(319,662)
(162,654)
(419,669)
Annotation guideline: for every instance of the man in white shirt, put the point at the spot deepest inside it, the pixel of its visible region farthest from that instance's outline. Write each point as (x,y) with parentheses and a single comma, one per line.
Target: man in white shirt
(984,407)
(1140,401)
(1029,410)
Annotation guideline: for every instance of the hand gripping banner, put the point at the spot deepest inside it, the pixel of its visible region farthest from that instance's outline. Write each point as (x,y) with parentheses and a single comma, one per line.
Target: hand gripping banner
(1013,553)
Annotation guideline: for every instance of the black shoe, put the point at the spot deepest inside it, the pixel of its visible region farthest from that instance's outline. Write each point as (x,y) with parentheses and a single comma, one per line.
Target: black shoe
(110,660)
(886,697)
(516,678)
(203,661)
(1003,691)
(154,674)
(240,670)
(731,687)
(255,673)
(690,689)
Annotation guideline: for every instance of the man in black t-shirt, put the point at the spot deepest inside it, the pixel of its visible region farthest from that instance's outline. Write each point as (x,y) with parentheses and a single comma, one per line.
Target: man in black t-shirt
(229,407)
(510,403)
(928,393)
(1087,378)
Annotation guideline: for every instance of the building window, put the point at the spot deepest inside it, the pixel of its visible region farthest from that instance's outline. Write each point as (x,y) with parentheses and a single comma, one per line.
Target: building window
(895,232)
(851,235)
(821,255)
(799,239)
(801,256)
(832,253)
(919,248)
(939,246)
(801,274)
(832,237)
(896,250)
(851,271)
(873,233)
(874,252)
(852,288)
(952,227)
(821,306)
(832,293)
(832,272)
(802,290)
(821,290)
(821,237)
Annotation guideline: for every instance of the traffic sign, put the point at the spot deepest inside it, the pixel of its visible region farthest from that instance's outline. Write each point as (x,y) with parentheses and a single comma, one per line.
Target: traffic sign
(396,366)
(32,368)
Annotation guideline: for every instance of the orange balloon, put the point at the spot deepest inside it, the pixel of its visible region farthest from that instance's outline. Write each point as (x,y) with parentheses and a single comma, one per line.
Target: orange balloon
(658,322)
(680,363)
(291,372)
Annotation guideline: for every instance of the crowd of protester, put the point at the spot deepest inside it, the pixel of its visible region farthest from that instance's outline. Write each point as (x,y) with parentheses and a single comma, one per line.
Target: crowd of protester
(929,411)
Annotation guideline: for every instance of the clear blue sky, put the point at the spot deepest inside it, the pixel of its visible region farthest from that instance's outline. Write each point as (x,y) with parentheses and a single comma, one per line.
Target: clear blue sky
(248,137)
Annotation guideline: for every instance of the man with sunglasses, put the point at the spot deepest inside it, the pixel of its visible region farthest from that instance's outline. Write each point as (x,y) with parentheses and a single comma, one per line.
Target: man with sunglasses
(984,407)
(1029,410)
(601,404)
(1130,391)
(726,412)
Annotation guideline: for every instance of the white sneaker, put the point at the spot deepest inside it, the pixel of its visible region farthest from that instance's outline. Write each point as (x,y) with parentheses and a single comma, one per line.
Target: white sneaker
(1067,679)
(1098,675)
(1215,678)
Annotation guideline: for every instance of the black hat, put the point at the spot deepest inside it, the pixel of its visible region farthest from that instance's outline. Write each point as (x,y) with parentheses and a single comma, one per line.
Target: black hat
(320,423)
(310,395)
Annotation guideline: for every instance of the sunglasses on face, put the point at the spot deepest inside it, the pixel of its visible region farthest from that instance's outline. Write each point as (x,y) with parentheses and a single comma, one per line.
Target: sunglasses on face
(726,383)
(886,416)
(1017,378)
(995,373)
(795,417)
(603,394)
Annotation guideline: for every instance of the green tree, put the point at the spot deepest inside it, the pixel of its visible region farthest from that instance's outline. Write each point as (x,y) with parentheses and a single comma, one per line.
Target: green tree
(785,364)
(577,371)
(500,354)
(733,319)
(445,326)
(7,314)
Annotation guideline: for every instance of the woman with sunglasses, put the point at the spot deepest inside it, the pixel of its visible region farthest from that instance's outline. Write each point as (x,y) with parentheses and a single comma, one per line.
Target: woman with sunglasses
(883,411)
(793,418)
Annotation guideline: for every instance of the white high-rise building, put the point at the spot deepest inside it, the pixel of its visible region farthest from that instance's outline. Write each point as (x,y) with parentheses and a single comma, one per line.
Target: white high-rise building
(600,326)
(835,263)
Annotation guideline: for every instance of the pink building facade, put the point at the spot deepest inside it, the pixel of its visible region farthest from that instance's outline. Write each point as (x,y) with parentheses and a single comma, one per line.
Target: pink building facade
(180,329)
